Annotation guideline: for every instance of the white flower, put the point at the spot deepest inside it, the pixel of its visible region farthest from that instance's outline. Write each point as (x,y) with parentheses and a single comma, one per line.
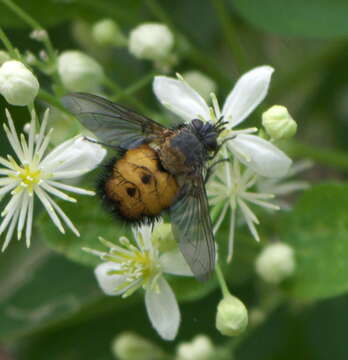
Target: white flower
(151,41)
(200,348)
(130,267)
(18,85)
(79,72)
(34,173)
(231,188)
(275,263)
(260,155)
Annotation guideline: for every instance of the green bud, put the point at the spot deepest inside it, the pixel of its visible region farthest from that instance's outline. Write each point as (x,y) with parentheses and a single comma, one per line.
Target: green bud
(4,56)
(163,236)
(275,263)
(130,346)
(79,72)
(232,316)
(200,82)
(278,123)
(107,32)
(200,348)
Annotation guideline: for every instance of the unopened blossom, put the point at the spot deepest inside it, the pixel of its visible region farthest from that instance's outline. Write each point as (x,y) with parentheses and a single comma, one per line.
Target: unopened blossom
(131,346)
(278,123)
(276,262)
(151,41)
(34,173)
(107,32)
(231,188)
(79,72)
(200,348)
(129,267)
(253,151)
(231,316)
(18,85)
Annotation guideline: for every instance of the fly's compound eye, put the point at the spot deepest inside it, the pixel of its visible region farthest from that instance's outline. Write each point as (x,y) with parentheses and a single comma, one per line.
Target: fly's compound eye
(211,142)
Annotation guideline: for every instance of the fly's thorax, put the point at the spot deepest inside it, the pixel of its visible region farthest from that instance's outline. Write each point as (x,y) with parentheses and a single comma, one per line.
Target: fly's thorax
(182,152)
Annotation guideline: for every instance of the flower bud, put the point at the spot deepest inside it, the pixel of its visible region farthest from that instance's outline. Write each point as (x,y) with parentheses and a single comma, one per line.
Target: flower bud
(107,32)
(275,263)
(18,85)
(4,56)
(232,316)
(130,346)
(151,41)
(278,123)
(79,72)
(39,35)
(200,348)
(200,82)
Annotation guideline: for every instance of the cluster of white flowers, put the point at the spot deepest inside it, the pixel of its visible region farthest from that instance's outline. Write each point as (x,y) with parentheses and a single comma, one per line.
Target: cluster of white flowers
(128,267)
(38,173)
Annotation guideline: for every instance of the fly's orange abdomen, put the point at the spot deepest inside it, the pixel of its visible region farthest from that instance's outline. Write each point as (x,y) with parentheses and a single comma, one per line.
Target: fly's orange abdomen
(137,186)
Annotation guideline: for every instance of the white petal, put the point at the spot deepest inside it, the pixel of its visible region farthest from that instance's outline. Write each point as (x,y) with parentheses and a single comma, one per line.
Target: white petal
(109,282)
(173,262)
(80,155)
(163,309)
(248,92)
(180,98)
(260,155)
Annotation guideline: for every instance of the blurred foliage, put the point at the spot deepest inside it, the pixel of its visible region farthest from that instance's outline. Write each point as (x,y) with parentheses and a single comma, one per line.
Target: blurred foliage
(50,302)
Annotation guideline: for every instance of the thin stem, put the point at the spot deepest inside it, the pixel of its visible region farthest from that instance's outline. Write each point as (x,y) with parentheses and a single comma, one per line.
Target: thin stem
(52,100)
(325,156)
(7,43)
(221,280)
(136,86)
(111,85)
(229,30)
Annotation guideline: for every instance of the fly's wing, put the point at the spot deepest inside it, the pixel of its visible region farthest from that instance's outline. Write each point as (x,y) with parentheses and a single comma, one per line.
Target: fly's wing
(192,229)
(113,124)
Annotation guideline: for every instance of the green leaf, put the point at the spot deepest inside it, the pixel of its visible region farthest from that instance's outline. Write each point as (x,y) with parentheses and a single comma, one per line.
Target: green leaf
(39,289)
(92,221)
(317,229)
(314,18)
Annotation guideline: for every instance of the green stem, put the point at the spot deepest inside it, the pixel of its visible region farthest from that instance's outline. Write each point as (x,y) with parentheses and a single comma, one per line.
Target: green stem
(51,100)
(234,44)
(136,86)
(35,26)
(117,90)
(325,156)
(221,280)
(7,43)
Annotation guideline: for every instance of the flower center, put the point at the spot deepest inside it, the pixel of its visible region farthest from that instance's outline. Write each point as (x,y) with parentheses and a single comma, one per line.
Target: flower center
(139,267)
(29,177)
